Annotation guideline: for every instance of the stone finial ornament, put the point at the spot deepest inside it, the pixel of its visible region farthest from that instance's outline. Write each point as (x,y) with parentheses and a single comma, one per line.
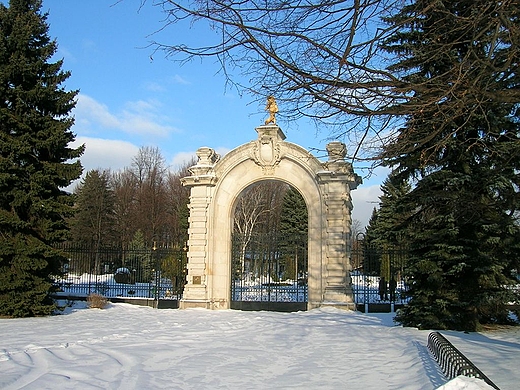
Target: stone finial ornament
(336,150)
(272,108)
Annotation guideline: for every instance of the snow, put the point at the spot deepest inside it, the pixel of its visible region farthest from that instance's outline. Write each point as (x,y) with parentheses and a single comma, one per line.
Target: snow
(135,347)
(463,383)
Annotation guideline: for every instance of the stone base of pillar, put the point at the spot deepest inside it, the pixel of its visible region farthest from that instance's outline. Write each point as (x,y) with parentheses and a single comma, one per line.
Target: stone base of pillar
(194,304)
(339,305)
(339,297)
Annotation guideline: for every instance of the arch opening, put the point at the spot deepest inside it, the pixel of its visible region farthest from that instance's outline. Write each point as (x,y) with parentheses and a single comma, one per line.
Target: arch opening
(269,256)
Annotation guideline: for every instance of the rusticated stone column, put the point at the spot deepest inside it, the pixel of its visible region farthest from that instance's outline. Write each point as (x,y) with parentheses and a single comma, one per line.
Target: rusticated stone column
(337,180)
(201,181)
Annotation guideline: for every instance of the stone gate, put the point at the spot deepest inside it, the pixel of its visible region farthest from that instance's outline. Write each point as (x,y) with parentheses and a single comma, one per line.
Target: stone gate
(215,184)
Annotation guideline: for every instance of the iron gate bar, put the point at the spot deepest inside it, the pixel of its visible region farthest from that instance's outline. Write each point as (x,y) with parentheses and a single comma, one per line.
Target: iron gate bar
(122,272)
(371,263)
(269,272)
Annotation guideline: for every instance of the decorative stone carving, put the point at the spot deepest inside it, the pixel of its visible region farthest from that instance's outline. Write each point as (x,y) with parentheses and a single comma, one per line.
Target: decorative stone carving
(336,150)
(336,165)
(207,158)
(266,150)
(202,173)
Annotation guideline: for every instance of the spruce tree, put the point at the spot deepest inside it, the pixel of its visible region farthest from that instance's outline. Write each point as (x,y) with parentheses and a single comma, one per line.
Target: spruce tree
(385,240)
(460,143)
(371,245)
(294,222)
(388,229)
(94,222)
(294,216)
(35,133)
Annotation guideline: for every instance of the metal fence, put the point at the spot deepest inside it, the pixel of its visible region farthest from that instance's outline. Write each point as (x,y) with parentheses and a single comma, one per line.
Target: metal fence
(377,276)
(269,272)
(452,362)
(157,273)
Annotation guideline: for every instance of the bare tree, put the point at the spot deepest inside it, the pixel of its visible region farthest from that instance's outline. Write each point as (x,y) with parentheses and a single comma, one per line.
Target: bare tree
(177,204)
(149,169)
(124,185)
(355,229)
(257,210)
(334,61)
(319,58)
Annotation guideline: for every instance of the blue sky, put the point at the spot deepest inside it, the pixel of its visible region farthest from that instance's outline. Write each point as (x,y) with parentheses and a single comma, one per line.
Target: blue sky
(131,97)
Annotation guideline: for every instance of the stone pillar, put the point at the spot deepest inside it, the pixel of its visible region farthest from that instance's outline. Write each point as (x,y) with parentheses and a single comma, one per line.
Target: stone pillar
(336,181)
(202,182)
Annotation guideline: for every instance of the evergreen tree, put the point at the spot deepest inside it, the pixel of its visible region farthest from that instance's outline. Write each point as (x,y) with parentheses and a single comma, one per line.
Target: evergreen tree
(35,133)
(384,239)
(93,223)
(124,185)
(459,62)
(371,246)
(294,218)
(294,222)
(387,230)
(371,228)
(141,259)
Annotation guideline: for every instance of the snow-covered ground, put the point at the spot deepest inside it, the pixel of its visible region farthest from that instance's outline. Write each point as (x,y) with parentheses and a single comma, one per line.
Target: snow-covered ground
(134,347)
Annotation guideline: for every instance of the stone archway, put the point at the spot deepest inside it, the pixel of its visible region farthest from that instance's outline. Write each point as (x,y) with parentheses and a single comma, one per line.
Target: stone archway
(216,183)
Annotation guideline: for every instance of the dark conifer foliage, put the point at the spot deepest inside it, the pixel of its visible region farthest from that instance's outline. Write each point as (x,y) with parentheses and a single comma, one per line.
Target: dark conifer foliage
(385,227)
(35,159)
(93,223)
(461,146)
(294,218)
(385,232)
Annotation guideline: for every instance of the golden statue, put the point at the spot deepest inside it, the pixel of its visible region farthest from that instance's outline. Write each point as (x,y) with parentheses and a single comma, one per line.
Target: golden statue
(272,107)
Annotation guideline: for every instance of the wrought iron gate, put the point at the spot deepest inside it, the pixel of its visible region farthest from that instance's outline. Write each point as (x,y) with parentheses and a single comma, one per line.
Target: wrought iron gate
(378,281)
(158,273)
(269,272)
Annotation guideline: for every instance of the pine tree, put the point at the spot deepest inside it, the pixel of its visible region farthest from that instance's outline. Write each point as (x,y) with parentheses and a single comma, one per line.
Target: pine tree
(124,185)
(35,133)
(462,146)
(141,259)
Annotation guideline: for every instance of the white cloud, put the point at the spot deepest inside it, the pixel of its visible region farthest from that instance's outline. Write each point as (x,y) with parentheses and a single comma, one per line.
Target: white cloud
(103,154)
(154,87)
(182,158)
(364,200)
(177,79)
(64,53)
(140,117)
(89,111)
(106,153)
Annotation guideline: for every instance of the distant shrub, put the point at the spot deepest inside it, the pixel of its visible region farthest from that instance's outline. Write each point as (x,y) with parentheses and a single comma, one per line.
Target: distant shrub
(124,276)
(96,301)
